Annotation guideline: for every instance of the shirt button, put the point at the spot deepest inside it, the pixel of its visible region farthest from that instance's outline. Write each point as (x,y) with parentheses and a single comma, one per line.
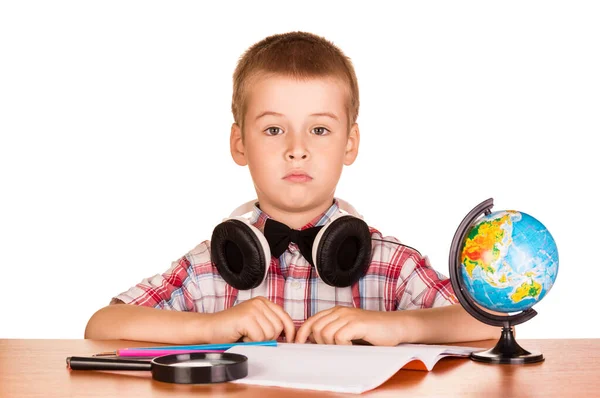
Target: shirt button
(296,285)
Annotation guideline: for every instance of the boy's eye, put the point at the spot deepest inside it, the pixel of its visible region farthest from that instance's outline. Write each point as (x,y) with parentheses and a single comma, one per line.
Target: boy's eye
(273,131)
(320,130)
(278,131)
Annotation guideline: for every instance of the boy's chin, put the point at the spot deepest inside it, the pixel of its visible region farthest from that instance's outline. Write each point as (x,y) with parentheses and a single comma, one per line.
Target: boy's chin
(297,202)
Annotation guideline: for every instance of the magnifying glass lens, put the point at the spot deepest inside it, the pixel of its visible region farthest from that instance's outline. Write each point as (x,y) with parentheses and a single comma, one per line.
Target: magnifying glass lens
(196,363)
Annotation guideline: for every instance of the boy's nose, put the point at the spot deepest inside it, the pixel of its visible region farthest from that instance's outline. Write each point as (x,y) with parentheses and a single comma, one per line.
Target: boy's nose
(297,150)
(296,146)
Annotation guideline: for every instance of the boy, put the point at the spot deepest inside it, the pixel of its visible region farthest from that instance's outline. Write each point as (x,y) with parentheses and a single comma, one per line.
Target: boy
(295,104)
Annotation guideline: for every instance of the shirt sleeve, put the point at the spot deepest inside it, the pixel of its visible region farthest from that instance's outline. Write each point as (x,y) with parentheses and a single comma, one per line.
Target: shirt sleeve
(176,289)
(421,286)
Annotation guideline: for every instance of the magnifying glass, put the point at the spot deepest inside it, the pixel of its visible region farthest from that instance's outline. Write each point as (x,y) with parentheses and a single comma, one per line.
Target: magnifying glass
(191,368)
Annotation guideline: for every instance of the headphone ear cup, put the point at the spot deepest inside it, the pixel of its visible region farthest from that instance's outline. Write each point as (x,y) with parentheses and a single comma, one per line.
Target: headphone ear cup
(238,254)
(343,251)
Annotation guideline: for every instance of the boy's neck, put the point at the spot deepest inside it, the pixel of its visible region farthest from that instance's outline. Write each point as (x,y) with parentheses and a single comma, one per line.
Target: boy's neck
(295,219)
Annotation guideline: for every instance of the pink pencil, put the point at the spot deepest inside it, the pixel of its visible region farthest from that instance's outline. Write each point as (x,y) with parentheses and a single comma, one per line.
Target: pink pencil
(129,352)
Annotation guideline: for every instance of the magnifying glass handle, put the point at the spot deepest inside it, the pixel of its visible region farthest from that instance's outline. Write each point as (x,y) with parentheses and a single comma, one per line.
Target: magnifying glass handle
(95,363)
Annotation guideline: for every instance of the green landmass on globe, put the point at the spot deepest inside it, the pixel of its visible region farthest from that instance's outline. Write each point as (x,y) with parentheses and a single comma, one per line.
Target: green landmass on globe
(509,261)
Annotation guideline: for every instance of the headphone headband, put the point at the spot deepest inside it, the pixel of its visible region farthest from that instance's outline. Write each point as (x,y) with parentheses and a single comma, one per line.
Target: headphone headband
(243,209)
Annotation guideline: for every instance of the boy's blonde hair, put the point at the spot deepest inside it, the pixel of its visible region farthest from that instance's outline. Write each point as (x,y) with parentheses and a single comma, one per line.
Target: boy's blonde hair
(300,55)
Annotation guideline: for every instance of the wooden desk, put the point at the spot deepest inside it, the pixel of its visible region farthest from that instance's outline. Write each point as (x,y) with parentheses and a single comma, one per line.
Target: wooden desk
(36,368)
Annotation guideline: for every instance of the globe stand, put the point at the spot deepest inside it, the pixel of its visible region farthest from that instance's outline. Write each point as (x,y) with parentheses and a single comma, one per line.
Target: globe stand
(506,351)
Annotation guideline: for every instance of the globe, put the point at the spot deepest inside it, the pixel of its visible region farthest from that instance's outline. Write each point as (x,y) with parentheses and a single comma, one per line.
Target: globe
(509,261)
(501,264)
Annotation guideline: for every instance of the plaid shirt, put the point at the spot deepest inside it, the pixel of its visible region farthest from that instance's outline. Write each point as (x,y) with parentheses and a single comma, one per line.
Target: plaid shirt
(398,278)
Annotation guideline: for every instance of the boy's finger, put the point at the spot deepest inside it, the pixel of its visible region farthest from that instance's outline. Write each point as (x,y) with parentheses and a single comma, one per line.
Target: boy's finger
(269,330)
(288,324)
(306,328)
(328,332)
(276,323)
(253,331)
(347,333)
(320,325)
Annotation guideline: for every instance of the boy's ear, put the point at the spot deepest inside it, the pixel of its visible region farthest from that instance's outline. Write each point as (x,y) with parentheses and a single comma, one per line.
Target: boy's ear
(352,145)
(236,145)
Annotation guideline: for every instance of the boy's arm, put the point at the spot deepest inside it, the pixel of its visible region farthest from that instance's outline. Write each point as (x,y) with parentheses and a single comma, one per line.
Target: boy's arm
(256,319)
(133,322)
(440,325)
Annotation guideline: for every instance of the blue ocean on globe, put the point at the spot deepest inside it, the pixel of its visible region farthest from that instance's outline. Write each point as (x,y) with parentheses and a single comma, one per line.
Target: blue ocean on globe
(509,261)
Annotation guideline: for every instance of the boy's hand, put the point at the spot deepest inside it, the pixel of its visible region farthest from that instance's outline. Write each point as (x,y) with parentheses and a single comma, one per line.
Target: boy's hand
(257,319)
(341,325)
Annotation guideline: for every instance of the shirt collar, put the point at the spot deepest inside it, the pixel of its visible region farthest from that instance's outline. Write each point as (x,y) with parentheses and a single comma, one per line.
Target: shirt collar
(259,217)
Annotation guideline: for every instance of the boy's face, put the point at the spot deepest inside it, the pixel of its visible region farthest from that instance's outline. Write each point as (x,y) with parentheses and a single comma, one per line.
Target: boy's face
(296,141)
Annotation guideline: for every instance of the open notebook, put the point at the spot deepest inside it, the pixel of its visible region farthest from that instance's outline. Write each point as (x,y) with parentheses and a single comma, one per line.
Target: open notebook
(350,369)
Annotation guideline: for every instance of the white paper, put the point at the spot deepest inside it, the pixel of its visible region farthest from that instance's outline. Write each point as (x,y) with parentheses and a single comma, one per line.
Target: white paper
(350,369)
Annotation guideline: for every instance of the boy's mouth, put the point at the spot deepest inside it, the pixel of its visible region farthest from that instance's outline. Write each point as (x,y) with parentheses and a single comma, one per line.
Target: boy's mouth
(297,176)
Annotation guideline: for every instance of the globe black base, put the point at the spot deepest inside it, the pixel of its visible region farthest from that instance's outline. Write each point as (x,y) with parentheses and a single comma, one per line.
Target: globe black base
(490,356)
(507,351)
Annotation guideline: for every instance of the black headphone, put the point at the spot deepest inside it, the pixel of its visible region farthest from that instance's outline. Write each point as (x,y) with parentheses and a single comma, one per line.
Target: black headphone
(341,251)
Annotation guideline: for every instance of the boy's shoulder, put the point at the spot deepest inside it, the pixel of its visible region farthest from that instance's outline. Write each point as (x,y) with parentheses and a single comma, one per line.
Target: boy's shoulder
(199,255)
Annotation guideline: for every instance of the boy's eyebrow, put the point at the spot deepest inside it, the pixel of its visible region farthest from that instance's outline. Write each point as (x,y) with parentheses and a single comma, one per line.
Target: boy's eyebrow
(271,113)
(328,114)
(268,113)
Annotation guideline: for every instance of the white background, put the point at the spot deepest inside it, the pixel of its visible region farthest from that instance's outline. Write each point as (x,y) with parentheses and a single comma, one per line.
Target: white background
(115,118)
